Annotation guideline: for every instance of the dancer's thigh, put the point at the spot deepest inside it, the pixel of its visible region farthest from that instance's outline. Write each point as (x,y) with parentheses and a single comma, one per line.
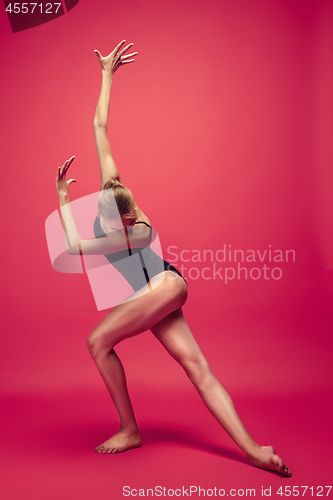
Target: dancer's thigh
(175,335)
(145,309)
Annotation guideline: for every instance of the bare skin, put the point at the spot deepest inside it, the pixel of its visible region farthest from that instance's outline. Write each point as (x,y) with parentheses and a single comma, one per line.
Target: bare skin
(156,307)
(122,441)
(174,334)
(266,458)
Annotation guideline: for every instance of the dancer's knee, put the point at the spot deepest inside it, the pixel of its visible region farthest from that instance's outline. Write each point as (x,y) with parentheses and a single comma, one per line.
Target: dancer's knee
(93,345)
(97,345)
(198,371)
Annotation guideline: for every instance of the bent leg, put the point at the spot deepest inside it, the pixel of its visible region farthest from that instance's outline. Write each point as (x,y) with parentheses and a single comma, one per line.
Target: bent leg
(124,321)
(175,335)
(128,436)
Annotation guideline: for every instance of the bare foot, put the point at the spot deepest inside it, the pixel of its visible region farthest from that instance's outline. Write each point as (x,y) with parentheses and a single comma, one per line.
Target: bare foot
(265,458)
(122,441)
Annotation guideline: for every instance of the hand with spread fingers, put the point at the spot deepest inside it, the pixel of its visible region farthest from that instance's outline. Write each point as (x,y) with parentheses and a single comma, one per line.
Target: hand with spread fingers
(61,182)
(116,58)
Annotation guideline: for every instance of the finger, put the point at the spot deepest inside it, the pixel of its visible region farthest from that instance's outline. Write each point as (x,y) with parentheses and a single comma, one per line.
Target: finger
(69,162)
(125,48)
(128,61)
(58,174)
(119,45)
(62,171)
(71,159)
(129,55)
(63,168)
(70,181)
(98,54)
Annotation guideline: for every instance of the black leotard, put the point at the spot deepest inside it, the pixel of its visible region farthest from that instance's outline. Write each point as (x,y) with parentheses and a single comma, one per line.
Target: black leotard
(137,265)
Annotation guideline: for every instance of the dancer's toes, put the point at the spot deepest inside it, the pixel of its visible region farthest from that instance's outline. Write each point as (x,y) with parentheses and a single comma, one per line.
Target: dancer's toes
(280,466)
(266,458)
(111,450)
(99,448)
(286,471)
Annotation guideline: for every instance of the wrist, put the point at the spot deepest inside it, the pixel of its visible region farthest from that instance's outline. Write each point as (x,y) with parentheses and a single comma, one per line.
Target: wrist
(63,196)
(107,74)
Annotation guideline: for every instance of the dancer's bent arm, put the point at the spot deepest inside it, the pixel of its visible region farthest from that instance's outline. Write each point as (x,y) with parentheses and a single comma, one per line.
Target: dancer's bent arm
(109,65)
(138,236)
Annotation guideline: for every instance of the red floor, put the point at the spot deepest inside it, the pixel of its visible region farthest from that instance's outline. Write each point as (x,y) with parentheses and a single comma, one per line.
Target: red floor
(55,410)
(48,445)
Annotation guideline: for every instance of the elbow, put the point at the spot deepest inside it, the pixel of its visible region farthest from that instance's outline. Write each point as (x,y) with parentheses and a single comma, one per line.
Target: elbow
(74,250)
(71,251)
(99,125)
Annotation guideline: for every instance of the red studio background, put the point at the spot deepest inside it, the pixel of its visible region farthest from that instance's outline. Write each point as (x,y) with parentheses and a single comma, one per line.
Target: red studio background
(222,128)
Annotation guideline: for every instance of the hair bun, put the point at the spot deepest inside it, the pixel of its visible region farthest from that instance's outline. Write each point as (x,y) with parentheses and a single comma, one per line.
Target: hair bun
(112,183)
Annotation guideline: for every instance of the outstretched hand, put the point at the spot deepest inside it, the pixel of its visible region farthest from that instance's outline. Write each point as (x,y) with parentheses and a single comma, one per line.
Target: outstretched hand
(116,59)
(61,182)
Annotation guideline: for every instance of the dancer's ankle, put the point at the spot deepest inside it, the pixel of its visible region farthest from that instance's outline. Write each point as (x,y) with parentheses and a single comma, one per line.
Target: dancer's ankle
(251,451)
(129,429)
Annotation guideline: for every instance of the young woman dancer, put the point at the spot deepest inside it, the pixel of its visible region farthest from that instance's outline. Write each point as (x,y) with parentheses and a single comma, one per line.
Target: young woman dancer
(157,301)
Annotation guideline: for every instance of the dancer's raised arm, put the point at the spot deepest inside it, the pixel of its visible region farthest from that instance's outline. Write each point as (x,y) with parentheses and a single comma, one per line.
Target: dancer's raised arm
(109,65)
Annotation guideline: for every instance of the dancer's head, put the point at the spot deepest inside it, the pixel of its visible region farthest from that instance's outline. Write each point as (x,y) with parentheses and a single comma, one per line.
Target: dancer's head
(116,204)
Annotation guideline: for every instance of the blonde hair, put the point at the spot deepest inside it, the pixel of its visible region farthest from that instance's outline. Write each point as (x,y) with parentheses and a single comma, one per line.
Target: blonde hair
(116,200)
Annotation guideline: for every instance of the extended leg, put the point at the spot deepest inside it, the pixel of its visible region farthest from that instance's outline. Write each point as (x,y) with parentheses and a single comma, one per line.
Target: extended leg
(175,335)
